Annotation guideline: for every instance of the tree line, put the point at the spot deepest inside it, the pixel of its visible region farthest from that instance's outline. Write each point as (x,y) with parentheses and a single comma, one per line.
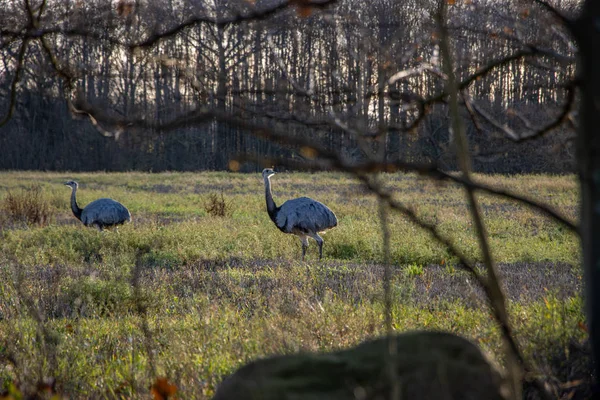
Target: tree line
(359,77)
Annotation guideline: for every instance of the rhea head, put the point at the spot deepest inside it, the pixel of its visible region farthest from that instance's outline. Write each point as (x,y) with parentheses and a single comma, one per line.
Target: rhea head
(268,172)
(72,184)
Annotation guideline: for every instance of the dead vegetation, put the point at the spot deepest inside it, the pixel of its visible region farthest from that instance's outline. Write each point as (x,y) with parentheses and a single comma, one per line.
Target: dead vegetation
(29,206)
(217,206)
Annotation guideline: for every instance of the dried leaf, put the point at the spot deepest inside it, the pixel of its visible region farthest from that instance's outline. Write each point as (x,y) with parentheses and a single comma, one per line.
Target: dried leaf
(162,389)
(507,30)
(451,2)
(304,11)
(304,8)
(234,165)
(583,327)
(308,152)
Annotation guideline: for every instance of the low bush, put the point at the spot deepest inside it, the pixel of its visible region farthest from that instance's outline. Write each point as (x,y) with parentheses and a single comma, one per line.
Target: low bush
(28,206)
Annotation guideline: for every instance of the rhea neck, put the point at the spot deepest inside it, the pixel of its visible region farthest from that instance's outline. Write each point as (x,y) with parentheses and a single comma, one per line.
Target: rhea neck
(74,206)
(271,207)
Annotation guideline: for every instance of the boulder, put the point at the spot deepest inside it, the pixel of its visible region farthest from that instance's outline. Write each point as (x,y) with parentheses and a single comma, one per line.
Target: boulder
(427,365)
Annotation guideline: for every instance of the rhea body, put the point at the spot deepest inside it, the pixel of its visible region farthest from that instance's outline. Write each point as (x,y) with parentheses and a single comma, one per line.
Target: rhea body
(303,217)
(101,213)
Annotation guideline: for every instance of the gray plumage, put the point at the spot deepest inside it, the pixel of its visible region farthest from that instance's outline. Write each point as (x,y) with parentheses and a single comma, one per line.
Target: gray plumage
(101,213)
(303,216)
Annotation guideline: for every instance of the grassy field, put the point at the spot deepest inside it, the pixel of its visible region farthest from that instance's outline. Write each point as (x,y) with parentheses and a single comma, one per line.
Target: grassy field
(189,296)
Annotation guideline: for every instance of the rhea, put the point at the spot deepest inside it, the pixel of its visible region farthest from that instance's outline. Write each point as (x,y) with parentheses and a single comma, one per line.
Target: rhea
(101,213)
(303,216)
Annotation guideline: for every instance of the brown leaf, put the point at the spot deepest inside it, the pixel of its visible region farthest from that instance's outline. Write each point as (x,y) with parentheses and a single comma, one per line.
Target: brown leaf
(304,11)
(451,2)
(583,327)
(308,152)
(234,165)
(304,8)
(162,389)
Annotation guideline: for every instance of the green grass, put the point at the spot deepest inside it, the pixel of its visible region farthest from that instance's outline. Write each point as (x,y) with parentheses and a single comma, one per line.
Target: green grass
(168,209)
(219,291)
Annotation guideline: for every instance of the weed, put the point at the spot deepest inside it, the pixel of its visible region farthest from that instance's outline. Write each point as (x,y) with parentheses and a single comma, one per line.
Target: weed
(414,270)
(217,206)
(28,206)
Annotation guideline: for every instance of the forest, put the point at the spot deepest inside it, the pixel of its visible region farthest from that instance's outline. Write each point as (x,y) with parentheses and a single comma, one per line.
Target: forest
(167,100)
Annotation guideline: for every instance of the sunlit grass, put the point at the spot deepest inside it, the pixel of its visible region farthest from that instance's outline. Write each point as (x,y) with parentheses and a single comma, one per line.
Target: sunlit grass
(220,291)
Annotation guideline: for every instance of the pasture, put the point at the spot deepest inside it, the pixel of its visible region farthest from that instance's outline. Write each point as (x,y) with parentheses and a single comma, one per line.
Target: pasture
(190,296)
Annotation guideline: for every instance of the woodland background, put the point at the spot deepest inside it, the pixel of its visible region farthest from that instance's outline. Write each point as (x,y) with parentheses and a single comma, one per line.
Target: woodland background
(314,77)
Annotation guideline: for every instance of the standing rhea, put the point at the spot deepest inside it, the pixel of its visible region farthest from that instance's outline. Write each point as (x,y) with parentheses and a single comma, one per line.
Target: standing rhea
(303,217)
(101,213)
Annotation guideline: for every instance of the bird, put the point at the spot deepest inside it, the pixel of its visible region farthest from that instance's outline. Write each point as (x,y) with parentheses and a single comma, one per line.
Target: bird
(303,217)
(101,213)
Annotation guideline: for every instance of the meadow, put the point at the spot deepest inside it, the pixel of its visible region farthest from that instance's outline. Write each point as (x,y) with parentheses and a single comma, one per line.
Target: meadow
(189,296)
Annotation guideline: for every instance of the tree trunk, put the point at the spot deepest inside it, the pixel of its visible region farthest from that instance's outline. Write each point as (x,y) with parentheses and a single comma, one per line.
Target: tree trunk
(587,32)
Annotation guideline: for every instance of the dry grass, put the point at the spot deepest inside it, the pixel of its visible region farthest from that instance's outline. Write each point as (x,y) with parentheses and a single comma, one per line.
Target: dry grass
(28,206)
(217,206)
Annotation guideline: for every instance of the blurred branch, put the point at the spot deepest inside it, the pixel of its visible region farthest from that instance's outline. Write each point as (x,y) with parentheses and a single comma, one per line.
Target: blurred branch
(554,11)
(142,311)
(254,15)
(508,132)
(495,294)
(333,160)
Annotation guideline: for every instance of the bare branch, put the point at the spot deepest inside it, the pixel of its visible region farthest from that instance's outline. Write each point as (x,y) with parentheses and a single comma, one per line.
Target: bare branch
(495,293)
(13,86)
(511,134)
(554,11)
(254,15)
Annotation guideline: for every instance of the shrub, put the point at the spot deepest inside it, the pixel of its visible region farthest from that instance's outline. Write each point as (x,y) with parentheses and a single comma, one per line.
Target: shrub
(28,206)
(217,206)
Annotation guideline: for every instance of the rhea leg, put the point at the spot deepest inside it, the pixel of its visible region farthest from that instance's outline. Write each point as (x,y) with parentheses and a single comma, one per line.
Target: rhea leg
(319,240)
(304,240)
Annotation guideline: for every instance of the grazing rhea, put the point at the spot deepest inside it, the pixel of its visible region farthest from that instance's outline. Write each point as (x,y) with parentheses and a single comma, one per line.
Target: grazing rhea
(303,217)
(101,213)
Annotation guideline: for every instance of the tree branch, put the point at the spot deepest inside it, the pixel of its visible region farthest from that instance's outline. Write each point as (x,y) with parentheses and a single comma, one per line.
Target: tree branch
(254,15)
(13,86)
